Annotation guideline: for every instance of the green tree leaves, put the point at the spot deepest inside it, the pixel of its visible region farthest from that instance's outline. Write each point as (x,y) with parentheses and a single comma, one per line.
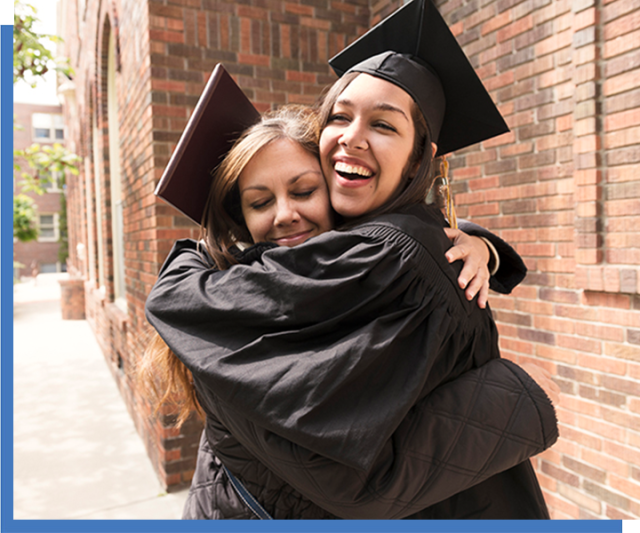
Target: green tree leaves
(31,58)
(24,216)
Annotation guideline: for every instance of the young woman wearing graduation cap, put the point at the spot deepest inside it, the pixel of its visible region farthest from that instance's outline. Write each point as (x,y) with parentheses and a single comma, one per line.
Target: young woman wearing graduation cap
(328,372)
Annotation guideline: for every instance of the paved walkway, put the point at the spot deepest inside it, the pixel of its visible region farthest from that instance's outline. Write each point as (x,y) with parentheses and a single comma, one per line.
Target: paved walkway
(77,454)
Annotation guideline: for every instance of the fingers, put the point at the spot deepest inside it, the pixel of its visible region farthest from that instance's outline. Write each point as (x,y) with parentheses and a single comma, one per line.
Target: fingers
(452,233)
(457,252)
(543,378)
(483,295)
(479,285)
(474,276)
(552,389)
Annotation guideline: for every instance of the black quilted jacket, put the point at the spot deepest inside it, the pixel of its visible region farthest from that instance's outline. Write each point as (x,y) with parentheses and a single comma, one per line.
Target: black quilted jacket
(328,375)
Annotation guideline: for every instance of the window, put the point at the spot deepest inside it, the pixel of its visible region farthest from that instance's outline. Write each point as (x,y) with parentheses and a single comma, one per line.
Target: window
(117,205)
(47,127)
(49,228)
(54,184)
(48,268)
(51,268)
(97,167)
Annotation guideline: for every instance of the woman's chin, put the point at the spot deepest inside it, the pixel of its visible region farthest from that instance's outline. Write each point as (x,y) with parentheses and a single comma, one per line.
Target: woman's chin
(349,210)
(350,204)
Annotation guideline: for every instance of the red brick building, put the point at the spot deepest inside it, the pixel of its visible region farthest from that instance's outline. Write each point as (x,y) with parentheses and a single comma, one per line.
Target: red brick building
(561,187)
(42,124)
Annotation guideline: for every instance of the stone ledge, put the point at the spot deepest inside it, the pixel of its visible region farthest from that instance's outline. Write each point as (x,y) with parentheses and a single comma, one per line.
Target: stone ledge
(609,278)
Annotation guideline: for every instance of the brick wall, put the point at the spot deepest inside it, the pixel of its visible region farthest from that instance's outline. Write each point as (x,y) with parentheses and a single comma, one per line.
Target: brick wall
(560,187)
(166,51)
(34,253)
(277,55)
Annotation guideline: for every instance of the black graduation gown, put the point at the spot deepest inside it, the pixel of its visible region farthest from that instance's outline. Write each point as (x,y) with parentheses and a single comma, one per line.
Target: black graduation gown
(318,363)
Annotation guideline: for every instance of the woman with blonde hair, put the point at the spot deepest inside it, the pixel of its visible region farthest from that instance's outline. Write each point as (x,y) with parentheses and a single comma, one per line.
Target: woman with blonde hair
(226,240)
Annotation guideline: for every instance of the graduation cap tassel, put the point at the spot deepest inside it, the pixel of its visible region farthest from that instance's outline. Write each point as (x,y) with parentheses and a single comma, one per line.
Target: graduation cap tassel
(450,209)
(445,192)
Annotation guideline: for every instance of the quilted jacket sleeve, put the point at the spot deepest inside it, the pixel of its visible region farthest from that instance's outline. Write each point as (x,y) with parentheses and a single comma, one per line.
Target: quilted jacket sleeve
(512,269)
(481,424)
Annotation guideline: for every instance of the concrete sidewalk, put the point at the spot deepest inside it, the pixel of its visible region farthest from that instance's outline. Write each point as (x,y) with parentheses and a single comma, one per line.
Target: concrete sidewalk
(76,451)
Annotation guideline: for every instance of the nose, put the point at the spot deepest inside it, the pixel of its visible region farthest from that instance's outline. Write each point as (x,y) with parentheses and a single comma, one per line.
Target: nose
(286,213)
(353,136)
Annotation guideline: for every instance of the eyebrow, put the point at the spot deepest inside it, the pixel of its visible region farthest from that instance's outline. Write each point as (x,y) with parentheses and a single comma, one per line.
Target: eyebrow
(378,107)
(289,182)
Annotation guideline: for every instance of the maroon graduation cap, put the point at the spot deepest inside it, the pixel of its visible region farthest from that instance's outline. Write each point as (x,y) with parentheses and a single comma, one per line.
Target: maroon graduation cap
(220,117)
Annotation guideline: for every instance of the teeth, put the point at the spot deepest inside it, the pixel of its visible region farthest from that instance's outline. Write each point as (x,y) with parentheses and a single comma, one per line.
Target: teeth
(349,169)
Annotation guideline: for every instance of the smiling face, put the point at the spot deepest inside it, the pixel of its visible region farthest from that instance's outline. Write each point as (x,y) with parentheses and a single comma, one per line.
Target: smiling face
(283,195)
(366,144)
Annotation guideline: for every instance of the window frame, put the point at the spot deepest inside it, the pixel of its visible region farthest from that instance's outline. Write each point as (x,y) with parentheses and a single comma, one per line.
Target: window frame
(56,227)
(38,123)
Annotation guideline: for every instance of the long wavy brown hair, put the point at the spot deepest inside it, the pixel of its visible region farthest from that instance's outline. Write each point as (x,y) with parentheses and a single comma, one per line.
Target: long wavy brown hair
(163,378)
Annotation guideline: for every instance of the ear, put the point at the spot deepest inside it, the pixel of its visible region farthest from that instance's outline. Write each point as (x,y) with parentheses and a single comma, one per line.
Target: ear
(434,149)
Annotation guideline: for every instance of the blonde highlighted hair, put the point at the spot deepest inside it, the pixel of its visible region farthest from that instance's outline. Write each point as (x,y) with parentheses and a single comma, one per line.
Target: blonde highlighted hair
(163,378)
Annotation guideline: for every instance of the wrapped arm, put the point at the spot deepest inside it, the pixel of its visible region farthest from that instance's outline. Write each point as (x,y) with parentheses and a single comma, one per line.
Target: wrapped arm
(512,269)
(303,346)
(327,346)
(486,421)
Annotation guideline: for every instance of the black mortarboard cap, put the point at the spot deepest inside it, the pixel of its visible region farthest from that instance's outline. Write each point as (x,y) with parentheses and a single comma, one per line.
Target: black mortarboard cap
(414,49)
(221,115)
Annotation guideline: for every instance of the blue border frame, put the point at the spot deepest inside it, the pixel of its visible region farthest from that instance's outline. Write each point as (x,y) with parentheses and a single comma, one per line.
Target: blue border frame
(8,524)
(6,272)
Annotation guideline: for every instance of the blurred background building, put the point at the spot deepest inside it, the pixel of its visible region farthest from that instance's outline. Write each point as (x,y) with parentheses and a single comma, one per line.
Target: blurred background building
(39,119)
(42,124)
(562,187)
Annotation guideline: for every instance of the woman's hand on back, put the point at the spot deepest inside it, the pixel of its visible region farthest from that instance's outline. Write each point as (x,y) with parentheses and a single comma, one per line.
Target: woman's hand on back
(474,277)
(543,378)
